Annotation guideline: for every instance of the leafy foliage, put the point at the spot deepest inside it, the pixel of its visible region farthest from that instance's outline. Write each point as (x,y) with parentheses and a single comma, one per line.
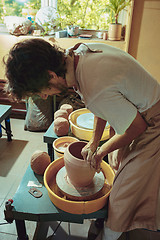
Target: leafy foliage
(117,6)
(86,14)
(8,8)
(16,8)
(89,14)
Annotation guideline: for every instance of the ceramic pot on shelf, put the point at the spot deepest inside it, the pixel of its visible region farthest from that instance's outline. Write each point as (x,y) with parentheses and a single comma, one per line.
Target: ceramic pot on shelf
(78,170)
(115,31)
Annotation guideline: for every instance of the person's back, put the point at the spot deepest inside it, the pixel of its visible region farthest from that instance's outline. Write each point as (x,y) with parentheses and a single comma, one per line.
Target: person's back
(113,83)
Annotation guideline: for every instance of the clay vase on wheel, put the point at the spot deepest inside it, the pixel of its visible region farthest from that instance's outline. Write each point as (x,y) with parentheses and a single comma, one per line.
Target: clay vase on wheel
(79,172)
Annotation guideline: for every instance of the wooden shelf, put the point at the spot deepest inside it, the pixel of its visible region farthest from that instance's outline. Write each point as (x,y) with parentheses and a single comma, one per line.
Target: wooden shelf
(68,42)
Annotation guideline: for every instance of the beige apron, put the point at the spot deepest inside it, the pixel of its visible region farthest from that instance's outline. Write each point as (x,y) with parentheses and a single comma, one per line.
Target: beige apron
(134,197)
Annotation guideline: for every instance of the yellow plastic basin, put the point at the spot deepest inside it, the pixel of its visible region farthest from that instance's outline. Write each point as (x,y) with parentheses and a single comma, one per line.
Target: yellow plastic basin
(58,145)
(81,133)
(76,207)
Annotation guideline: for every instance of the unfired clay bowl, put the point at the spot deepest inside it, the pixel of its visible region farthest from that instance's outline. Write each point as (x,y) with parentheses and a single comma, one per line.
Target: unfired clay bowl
(60,144)
(78,170)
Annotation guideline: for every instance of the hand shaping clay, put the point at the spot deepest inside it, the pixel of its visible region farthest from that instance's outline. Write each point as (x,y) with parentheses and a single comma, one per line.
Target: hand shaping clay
(67,107)
(61,126)
(40,161)
(61,113)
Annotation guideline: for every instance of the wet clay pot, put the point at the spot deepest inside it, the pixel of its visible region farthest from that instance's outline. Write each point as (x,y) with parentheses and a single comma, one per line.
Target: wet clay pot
(78,171)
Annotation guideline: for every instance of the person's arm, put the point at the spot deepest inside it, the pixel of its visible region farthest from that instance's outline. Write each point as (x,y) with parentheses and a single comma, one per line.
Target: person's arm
(91,147)
(137,127)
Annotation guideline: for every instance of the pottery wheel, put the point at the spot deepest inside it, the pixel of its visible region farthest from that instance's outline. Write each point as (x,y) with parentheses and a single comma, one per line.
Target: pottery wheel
(79,193)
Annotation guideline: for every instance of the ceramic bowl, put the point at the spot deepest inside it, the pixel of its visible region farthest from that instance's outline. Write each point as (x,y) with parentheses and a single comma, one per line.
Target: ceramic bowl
(60,144)
(80,132)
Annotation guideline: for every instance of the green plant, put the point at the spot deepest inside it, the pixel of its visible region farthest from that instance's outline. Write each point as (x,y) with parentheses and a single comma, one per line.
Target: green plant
(116,6)
(85,14)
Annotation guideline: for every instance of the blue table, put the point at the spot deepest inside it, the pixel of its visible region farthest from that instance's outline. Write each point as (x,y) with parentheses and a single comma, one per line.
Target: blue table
(27,207)
(49,138)
(5,111)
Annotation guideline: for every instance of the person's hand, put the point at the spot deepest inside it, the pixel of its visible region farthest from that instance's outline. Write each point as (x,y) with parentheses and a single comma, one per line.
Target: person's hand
(89,153)
(96,162)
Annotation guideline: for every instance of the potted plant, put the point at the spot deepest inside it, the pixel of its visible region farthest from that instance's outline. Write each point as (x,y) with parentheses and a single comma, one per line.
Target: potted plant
(115,28)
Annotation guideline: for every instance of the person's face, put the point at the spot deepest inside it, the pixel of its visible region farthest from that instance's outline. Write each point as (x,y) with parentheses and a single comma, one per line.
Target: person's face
(57,86)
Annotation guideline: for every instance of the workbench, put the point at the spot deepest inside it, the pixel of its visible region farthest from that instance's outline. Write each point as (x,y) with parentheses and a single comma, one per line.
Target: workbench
(27,207)
(5,111)
(49,138)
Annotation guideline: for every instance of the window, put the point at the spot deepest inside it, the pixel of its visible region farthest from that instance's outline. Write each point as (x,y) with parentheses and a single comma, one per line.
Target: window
(89,14)
(18,8)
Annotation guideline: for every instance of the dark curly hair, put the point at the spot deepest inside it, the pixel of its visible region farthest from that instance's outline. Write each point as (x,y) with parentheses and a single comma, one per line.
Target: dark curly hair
(27,65)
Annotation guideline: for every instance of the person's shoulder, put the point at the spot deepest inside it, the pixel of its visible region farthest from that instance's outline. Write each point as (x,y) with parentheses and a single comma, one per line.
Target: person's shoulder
(102,46)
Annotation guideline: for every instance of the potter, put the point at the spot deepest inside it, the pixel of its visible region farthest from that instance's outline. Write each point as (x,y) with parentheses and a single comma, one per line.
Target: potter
(117,89)
(79,172)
